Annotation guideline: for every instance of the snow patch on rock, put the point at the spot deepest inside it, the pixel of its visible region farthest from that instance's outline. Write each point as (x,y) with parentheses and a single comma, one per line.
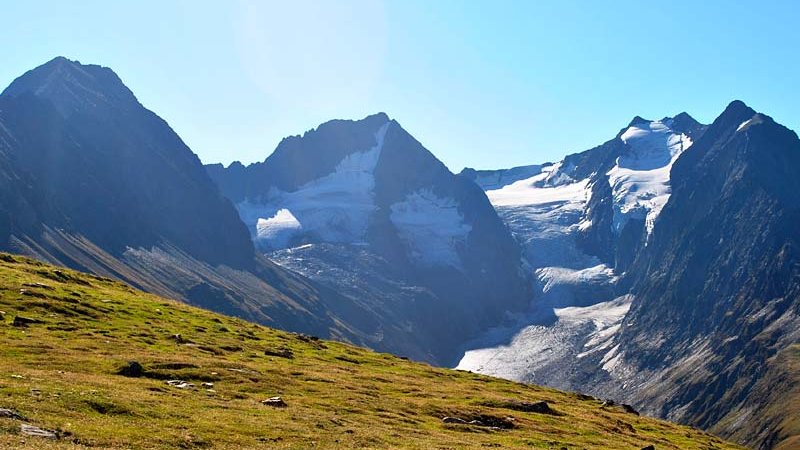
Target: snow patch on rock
(540,189)
(755,120)
(640,179)
(333,208)
(432,228)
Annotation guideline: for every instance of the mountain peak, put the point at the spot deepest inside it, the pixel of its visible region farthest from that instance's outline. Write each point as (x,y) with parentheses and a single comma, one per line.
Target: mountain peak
(72,86)
(638,120)
(737,109)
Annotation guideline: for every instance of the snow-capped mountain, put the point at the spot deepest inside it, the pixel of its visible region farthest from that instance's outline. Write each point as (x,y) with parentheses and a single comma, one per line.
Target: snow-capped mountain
(368,189)
(91,179)
(717,290)
(580,221)
(667,270)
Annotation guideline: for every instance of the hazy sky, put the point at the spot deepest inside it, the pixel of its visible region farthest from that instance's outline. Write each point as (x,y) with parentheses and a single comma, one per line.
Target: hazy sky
(482,84)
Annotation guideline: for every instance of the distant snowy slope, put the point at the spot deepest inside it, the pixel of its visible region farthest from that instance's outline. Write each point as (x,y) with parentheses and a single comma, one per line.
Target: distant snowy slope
(495,179)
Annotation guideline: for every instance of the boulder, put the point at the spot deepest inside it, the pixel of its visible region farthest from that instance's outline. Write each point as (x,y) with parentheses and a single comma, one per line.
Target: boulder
(536,407)
(22,322)
(279,352)
(132,369)
(11,414)
(275,402)
(180,384)
(629,409)
(30,430)
(454,420)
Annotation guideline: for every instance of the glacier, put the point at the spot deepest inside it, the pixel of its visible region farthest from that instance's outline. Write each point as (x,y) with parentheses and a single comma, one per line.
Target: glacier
(576,310)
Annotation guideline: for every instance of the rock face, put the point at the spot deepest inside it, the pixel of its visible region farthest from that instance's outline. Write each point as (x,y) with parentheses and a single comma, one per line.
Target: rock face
(718,286)
(103,164)
(364,208)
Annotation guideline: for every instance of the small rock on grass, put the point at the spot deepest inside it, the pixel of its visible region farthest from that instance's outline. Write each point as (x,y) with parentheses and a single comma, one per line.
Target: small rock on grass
(540,407)
(21,321)
(449,419)
(629,409)
(180,384)
(132,369)
(11,414)
(275,402)
(30,430)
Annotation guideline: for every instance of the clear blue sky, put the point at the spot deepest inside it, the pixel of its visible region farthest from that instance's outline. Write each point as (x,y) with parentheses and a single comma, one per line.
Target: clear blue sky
(479,83)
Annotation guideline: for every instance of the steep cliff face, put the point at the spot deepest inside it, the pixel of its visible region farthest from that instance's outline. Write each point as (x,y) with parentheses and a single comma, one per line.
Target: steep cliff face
(718,287)
(105,165)
(372,191)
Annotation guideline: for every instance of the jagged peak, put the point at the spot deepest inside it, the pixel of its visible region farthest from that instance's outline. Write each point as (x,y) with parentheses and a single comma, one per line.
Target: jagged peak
(638,120)
(734,115)
(72,86)
(684,116)
(375,121)
(738,106)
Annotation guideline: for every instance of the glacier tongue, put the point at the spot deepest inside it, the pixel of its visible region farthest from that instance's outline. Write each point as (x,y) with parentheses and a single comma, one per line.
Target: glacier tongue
(574,310)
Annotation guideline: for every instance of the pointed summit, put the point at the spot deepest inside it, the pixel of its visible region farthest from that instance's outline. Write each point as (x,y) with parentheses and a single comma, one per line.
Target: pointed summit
(638,120)
(72,86)
(735,113)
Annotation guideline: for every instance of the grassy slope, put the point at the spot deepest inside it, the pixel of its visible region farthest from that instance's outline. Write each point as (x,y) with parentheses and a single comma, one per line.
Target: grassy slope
(770,416)
(61,375)
(789,429)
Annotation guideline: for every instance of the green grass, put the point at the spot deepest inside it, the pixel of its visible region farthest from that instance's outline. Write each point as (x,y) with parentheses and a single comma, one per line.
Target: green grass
(62,375)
